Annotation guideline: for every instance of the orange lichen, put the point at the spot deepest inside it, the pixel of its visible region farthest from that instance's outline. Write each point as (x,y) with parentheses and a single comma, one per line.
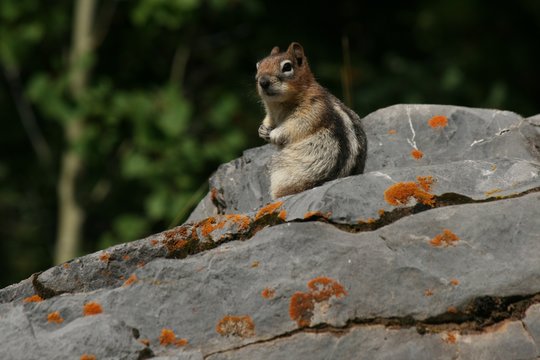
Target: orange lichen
(451,338)
(452,310)
(392,132)
(454,282)
(33,298)
(438,121)
(177,244)
(126,257)
(428,292)
(145,342)
(445,238)
(209,225)
(168,337)
(255,264)
(380,212)
(133,278)
(55,317)
(402,192)
(268,293)
(105,257)
(179,232)
(241,326)
(181,342)
(321,289)
(417,154)
(243,221)
(268,209)
(154,242)
(141,264)
(282,215)
(92,308)
(66,265)
(88,357)
(425,182)
(301,308)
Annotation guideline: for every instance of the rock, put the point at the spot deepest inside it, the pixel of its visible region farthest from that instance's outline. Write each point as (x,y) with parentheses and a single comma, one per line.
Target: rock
(350,269)
(472,134)
(245,180)
(510,341)
(471,138)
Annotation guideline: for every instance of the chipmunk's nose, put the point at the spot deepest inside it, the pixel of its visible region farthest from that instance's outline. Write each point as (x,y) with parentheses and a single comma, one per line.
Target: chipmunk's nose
(264,82)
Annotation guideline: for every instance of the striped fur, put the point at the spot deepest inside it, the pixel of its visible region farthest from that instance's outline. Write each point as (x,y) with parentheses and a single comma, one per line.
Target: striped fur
(319,138)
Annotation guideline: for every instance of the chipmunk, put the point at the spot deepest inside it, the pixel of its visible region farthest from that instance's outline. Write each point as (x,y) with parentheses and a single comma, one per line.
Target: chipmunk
(318,137)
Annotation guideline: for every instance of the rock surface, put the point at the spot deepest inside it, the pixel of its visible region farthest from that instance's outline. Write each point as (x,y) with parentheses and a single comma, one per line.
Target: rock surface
(429,258)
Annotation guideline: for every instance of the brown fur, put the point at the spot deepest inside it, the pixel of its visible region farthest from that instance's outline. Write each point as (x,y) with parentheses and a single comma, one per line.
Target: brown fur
(312,128)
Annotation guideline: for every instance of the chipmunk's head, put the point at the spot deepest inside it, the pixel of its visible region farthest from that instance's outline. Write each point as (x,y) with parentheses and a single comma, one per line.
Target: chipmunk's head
(281,76)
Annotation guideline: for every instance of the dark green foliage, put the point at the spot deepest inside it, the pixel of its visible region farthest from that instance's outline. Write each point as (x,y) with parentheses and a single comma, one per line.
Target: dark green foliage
(171,95)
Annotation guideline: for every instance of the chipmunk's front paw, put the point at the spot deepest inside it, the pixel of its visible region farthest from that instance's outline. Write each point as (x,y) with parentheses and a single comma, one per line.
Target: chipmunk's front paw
(264,132)
(277,137)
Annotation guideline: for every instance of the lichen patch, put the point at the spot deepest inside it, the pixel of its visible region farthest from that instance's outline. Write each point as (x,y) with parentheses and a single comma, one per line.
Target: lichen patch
(239,326)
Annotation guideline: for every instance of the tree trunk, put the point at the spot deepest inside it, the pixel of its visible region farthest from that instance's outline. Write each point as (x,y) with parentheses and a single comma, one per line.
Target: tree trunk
(70,212)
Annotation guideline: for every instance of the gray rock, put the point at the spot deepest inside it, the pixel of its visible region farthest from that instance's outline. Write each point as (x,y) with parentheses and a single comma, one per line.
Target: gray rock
(394,272)
(361,198)
(25,335)
(509,341)
(359,278)
(241,185)
(532,322)
(472,134)
(479,135)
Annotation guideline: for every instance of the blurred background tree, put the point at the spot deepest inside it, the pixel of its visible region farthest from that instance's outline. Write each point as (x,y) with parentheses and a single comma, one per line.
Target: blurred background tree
(114,113)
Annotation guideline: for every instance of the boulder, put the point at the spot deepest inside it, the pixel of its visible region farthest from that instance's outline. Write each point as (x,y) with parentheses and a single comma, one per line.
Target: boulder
(432,257)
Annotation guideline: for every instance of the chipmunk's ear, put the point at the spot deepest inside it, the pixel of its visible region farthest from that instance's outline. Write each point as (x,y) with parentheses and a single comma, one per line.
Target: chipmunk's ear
(275,50)
(296,50)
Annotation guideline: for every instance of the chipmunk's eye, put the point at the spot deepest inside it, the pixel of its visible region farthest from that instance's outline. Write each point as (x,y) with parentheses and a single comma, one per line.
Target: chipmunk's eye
(286,67)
